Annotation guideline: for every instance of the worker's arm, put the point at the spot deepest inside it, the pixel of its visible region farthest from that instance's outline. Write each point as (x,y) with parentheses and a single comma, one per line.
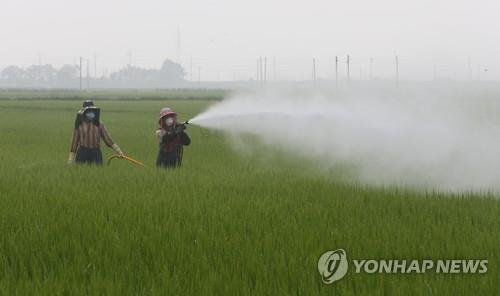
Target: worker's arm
(185,139)
(75,142)
(108,140)
(159,134)
(166,136)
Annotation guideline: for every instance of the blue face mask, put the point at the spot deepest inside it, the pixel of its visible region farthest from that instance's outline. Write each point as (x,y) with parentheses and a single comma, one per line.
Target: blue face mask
(90,115)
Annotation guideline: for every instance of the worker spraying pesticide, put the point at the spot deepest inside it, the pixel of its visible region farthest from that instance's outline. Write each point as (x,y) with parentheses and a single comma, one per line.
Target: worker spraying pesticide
(87,133)
(172,138)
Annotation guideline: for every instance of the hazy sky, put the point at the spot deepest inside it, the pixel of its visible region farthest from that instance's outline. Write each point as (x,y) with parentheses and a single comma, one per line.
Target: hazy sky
(223,38)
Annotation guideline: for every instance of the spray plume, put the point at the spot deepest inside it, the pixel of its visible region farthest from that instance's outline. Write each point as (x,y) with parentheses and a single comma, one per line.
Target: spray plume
(441,138)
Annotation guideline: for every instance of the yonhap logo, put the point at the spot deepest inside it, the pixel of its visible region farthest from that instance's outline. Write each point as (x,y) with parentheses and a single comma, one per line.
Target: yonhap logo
(332,266)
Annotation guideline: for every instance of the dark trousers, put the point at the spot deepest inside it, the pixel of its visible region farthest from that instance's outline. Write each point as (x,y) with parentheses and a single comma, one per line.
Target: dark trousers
(89,155)
(167,160)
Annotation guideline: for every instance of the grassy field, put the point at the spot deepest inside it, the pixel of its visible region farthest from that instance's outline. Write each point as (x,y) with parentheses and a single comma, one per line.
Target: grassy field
(226,223)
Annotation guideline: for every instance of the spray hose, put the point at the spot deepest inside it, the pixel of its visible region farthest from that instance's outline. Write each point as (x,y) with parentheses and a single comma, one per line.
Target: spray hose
(130,159)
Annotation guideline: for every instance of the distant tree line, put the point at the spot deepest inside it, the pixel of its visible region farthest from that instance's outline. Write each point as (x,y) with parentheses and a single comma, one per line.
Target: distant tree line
(68,76)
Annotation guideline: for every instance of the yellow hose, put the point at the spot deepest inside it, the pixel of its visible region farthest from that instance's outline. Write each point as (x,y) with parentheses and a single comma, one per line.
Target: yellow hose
(127,158)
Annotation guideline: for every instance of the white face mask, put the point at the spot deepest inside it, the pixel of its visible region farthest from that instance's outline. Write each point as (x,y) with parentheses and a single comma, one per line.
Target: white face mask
(169,121)
(90,115)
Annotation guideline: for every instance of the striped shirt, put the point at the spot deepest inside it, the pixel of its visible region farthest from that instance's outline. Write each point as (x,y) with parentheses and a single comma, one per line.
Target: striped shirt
(88,135)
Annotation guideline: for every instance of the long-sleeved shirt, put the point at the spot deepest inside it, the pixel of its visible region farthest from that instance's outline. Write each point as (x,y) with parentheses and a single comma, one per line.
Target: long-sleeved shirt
(172,142)
(88,135)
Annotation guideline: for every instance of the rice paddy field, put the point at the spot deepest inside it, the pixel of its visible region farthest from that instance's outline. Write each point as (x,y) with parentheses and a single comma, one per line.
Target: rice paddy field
(227,222)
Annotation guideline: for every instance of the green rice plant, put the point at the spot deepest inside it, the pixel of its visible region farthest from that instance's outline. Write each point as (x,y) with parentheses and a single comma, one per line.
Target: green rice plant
(225,223)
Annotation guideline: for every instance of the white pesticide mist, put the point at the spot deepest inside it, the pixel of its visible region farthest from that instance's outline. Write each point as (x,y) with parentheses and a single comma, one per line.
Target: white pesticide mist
(444,138)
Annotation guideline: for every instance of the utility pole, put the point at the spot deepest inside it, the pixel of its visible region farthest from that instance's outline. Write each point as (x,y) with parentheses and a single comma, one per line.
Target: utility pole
(274,68)
(39,70)
(469,64)
(336,71)
(95,65)
(265,68)
(178,46)
(348,69)
(314,69)
(397,69)
(257,77)
(88,73)
(191,68)
(80,73)
(371,68)
(260,69)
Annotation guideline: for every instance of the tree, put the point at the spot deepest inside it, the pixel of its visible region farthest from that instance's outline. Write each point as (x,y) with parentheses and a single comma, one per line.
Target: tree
(131,73)
(171,72)
(42,73)
(67,74)
(134,77)
(13,73)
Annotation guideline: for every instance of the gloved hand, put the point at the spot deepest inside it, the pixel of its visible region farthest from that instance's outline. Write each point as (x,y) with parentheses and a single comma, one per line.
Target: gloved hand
(117,150)
(160,133)
(179,128)
(71,158)
(166,136)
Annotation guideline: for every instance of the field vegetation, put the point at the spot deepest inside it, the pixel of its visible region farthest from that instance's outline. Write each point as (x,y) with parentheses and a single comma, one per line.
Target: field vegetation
(249,222)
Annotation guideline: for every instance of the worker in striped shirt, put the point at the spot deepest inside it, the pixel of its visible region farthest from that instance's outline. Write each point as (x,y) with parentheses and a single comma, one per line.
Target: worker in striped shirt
(88,131)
